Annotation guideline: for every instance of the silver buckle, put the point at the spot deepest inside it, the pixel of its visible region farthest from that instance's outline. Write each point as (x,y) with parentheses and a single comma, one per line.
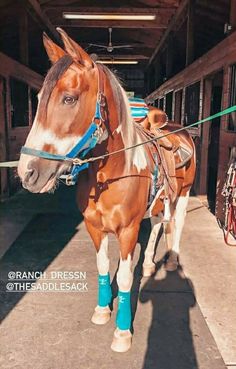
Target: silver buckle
(69,180)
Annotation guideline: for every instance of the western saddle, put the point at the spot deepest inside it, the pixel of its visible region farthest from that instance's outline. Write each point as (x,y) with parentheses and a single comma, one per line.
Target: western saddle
(174,153)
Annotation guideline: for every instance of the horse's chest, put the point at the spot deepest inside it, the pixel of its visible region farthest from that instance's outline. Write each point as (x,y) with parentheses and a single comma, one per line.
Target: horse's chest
(115,203)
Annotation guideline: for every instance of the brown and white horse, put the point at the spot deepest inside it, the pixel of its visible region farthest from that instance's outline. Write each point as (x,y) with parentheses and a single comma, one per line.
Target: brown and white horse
(113,192)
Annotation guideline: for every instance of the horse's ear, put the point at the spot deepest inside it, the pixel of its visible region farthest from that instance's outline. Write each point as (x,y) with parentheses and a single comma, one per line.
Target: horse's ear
(75,51)
(54,52)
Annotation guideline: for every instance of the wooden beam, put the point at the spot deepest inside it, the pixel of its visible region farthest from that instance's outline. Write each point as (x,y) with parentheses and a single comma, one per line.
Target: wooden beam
(109,10)
(147,3)
(190,33)
(122,56)
(43,2)
(176,17)
(10,67)
(44,20)
(23,36)
(163,3)
(159,23)
(232,20)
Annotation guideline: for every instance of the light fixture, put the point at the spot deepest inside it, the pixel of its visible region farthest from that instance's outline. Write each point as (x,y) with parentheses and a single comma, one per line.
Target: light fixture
(135,17)
(117,61)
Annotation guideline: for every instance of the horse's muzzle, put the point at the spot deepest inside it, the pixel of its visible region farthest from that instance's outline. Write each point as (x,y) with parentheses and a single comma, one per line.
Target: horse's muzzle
(40,175)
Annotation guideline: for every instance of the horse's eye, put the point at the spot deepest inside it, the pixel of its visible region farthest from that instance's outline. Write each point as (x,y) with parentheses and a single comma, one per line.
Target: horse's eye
(69,100)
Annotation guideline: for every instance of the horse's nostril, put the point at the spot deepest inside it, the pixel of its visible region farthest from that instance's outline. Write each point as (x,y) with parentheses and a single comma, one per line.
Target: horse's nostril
(31,176)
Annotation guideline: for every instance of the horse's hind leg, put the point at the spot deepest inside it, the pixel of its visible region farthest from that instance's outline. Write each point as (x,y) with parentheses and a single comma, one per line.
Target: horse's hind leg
(148,264)
(102,311)
(122,336)
(174,234)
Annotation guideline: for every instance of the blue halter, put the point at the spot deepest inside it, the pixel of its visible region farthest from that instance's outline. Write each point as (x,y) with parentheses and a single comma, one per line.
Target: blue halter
(85,144)
(82,147)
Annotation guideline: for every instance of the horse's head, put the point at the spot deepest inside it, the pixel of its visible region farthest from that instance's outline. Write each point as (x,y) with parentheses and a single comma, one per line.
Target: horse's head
(66,105)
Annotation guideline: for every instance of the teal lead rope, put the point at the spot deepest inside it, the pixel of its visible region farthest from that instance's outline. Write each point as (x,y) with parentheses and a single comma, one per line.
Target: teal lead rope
(214,116)
(211,117)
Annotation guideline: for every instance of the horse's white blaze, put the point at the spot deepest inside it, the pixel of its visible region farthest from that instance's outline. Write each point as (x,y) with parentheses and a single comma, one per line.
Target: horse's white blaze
(125,275)
(37,138)
(149,252)
(102,257)
(40,136)
(180,212)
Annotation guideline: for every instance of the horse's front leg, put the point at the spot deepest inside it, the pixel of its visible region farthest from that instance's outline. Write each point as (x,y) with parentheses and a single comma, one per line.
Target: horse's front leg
(102,311)
(122,336)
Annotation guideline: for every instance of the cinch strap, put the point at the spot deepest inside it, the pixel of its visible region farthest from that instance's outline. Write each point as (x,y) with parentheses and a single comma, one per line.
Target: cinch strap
(123,317)
(104,290)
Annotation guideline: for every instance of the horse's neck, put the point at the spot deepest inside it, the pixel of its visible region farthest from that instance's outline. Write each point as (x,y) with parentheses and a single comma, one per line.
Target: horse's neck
(114,125)
(122,134)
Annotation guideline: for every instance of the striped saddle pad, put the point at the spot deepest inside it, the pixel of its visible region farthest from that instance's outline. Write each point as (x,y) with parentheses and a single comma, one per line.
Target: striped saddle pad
(138,107)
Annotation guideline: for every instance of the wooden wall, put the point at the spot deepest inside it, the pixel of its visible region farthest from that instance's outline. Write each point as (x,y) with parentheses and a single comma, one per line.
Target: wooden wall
(220,58)
(11,139)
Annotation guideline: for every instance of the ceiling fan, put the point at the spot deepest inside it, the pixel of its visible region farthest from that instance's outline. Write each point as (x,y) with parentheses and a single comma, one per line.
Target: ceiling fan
(110,47)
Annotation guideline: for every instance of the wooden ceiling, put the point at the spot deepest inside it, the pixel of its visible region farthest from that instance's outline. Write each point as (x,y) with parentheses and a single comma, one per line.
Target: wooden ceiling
(147,37)
(143,35)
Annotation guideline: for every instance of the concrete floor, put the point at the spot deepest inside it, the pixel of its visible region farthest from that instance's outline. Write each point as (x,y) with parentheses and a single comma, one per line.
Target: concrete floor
(182,320)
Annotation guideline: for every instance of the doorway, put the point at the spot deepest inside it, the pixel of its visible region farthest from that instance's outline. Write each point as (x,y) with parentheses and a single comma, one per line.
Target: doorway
(213,139)
(4,173)
(178,106)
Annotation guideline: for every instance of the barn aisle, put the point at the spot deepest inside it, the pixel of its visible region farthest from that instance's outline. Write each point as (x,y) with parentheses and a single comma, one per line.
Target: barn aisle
(180,317)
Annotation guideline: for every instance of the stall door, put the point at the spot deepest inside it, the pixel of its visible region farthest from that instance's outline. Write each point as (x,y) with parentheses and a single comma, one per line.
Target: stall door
(3,139)
(214,137)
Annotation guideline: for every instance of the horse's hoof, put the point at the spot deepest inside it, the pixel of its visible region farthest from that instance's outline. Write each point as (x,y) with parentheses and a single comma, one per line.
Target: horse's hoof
(121,340)
(101,315)
(171,265)
(148,270)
